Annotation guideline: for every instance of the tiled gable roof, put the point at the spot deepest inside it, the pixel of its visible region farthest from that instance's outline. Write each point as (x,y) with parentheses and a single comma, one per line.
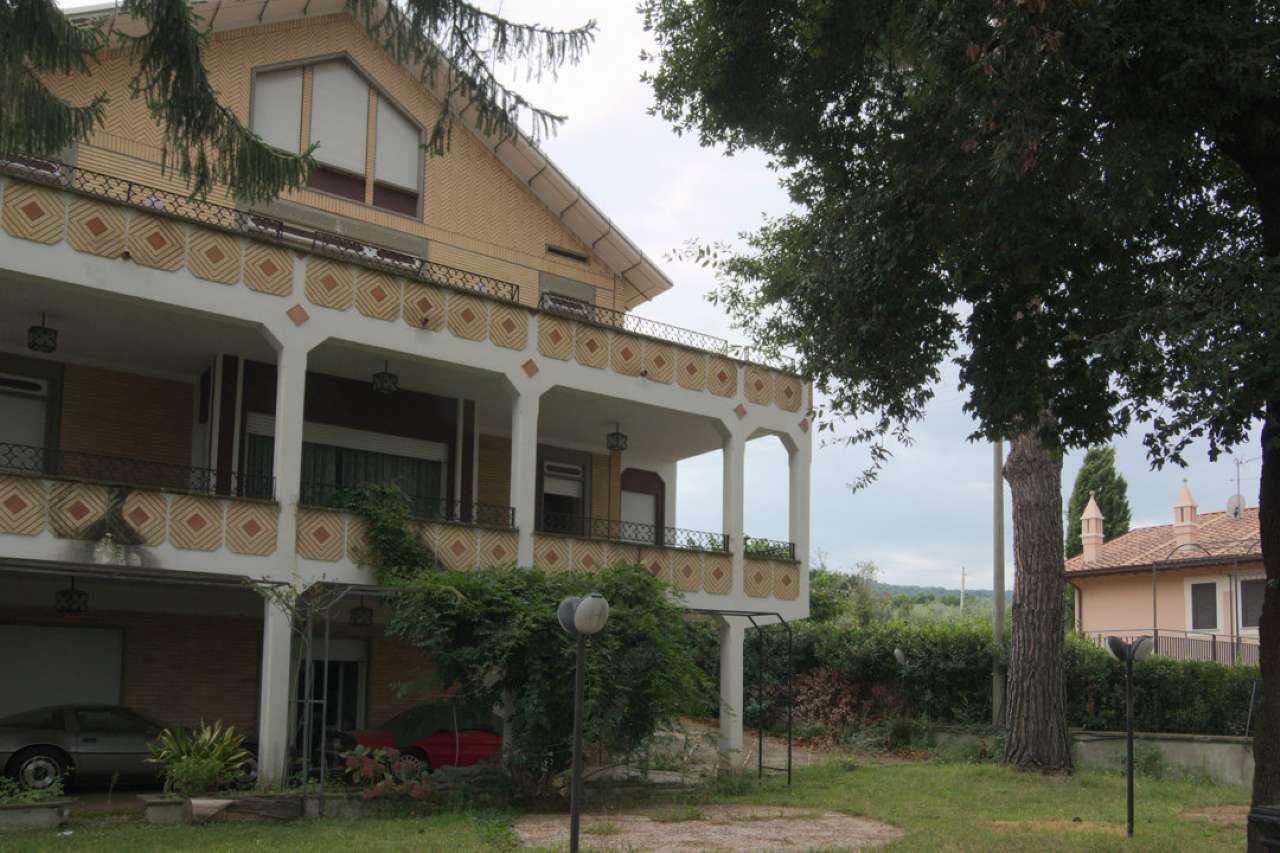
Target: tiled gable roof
(1217,535)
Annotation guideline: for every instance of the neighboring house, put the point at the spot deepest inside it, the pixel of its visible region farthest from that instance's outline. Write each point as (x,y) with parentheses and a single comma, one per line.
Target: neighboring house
(184,385)
(1195,585)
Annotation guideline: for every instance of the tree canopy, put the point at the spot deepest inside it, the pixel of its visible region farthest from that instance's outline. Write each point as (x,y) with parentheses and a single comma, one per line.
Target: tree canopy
(451,45)
(1098,477)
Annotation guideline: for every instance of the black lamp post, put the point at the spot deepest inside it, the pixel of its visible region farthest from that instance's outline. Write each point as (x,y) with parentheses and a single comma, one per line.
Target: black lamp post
(1128,653)
(580,618)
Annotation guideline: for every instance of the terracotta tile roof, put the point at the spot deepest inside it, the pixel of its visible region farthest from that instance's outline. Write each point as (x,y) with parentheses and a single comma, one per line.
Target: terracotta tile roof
(1217,535)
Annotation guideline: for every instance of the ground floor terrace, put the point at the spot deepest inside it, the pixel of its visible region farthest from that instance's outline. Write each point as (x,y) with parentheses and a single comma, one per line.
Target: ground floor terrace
(158,441)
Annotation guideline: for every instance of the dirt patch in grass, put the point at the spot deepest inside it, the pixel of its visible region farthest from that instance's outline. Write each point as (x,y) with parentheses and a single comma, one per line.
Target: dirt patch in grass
(1233,817)
(731,827)
(1060,825)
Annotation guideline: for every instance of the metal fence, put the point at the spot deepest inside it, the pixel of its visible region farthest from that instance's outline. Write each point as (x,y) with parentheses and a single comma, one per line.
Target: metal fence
(258,225)
(1189,645)
(585,312)
(769,549)
(633,532)
(421,507)
(116,470)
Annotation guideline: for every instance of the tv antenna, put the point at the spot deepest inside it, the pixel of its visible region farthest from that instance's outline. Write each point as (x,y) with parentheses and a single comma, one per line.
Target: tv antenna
(1236,504)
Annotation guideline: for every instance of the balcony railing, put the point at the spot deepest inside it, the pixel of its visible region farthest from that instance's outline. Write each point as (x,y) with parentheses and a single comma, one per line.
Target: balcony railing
(422,507)
(257,225)
(769,549)
(585,312)
(116,470)
(633,532)
(1189,645)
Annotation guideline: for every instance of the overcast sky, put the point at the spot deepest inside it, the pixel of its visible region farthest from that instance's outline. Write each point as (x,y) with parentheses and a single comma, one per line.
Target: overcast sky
(930,511)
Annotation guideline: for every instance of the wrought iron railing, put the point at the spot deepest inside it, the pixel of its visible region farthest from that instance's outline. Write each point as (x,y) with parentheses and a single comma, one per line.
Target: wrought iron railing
(575,309)
(769,549)
(1189,645)
(422,507)
(116,470)
(258,225)
(634,532)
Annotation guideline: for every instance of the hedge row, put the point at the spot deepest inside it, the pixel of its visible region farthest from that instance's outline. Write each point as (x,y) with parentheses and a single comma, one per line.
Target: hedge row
(946,676)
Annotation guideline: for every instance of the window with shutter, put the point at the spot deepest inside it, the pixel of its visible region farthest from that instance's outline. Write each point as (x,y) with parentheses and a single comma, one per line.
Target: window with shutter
(277,107)
(1251,592)
(1204,606)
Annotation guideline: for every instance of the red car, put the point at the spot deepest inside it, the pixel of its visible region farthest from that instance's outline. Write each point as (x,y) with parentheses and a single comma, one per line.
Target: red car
(440,735)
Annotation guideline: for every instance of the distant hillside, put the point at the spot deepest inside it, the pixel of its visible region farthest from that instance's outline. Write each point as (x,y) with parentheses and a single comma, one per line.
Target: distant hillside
(894,589)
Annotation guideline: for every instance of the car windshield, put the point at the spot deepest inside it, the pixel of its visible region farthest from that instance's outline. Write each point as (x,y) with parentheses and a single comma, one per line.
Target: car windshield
(110,719)
(40,718)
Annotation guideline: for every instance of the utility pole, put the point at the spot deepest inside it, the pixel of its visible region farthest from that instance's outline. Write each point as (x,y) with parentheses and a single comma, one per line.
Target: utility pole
(962,590)
(997,584)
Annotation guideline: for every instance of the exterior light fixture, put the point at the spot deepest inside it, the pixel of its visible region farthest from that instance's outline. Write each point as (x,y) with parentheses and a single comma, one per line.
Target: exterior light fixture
(108,552)
(616,440)
(71,600)
(41,338)
(1128,652)
(384,381)
(580,618)
(362,616)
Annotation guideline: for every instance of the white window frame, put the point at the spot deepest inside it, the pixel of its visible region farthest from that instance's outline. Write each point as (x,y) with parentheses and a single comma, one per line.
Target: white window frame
(1219,583)
(1238,600)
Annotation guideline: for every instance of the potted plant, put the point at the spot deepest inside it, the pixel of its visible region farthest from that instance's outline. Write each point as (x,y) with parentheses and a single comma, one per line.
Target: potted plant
(23,809)
(195,763)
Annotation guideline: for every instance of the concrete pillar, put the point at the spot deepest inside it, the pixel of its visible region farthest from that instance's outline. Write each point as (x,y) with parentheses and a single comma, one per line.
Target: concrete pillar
(735,452)
(273,701)
(524,469)
(277,635)
(799,461)
(732,634)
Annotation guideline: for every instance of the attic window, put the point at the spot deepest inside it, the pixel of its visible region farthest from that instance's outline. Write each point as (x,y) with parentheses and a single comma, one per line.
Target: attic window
(567,254)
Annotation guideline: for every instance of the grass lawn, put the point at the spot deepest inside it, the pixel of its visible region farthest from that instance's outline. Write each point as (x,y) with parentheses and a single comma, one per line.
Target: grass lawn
(940,806)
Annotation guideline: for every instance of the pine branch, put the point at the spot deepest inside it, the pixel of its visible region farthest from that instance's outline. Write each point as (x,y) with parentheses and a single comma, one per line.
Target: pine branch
(36,33)
(35,122)
(463,43)
(203,140)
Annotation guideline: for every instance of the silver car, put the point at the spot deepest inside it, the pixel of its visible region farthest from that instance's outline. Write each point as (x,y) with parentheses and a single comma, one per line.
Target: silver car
(80,742)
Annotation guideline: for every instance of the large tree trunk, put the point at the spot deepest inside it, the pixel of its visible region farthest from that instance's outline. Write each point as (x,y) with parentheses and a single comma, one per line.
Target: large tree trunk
(1036,717)
(1266,738)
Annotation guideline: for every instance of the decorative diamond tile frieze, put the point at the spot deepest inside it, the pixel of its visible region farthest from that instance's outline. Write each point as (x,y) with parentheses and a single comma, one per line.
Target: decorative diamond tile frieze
(591,346)
(552,554)
(555,337)
(377,295)
(686,571)
(758,580)
(691,369)
(659,362)
(268,269)
(530,368)
(788,392)
(588,556)
(32,213)
(509,326)
(468,317)
(616,554)
(195,523)
(498,549)
(214,256)
(626,355)
(156,242)
(424,306)
(786,581)
(298,314)
(455,547)
(657,562)
(75,507)
(759,385)
(95,228)
(740,410)
(251,528)
(722,377)
(22,502)
(320,534)
(717,574)
(329,283)
(358,540)
(145,513)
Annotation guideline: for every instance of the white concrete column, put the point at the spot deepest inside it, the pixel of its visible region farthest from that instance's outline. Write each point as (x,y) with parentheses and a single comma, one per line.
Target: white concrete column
(735,452)
(800,462)
(732,635)
(273,700)
(524,469)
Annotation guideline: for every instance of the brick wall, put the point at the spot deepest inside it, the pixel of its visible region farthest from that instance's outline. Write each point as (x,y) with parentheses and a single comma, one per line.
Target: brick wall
(178,669)
(392,662)
(494,474)
(122,414)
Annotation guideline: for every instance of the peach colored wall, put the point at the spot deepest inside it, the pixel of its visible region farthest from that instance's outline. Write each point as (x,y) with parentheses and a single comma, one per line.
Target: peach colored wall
(1123,602)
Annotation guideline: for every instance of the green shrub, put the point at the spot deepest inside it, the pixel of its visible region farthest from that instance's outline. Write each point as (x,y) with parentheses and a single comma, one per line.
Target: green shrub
(11,793)
(200,760)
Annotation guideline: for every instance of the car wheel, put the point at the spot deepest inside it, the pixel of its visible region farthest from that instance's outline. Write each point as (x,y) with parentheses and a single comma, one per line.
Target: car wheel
(418,757)
(39,767)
